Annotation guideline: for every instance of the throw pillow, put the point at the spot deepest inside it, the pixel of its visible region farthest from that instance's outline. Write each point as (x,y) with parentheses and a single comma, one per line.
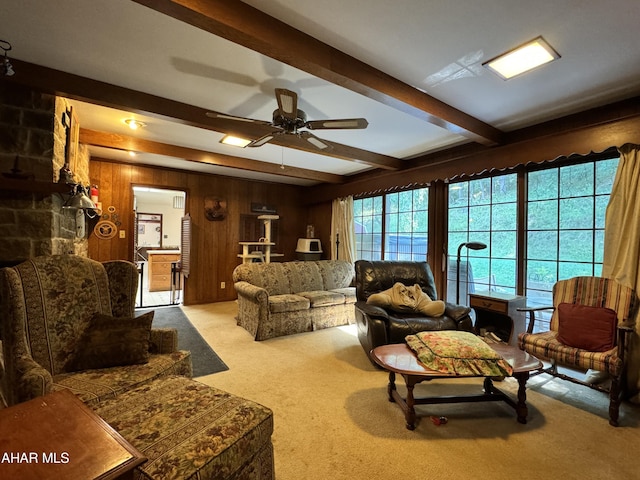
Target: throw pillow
(110,342)
(457,352)
(401,298)
(585,327)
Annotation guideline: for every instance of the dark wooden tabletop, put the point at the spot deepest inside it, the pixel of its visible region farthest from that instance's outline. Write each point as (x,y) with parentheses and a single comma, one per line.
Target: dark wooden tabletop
(399,358)
(57,436)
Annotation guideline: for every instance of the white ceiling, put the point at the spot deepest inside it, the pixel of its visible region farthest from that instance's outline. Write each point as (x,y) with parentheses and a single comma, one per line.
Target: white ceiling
(436,47)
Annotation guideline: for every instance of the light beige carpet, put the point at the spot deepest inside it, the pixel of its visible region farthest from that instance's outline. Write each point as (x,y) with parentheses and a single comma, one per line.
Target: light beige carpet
(333,420)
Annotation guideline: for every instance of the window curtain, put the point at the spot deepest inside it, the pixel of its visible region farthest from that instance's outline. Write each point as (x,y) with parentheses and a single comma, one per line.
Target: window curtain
(622,244)
(342,230)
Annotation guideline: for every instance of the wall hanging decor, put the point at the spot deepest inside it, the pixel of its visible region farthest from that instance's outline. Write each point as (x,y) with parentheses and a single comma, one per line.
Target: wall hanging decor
(107,227)
(215,208)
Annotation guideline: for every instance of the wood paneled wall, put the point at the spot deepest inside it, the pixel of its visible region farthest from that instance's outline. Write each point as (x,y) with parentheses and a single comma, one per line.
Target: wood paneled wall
(319,215)
(214,244)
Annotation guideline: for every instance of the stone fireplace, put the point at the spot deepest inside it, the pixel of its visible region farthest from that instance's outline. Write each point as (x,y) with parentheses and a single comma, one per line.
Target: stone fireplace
(33,149)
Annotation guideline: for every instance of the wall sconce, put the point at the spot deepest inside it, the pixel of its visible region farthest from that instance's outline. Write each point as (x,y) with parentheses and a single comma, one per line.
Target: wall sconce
(6,67)
(80,201)
(471,246)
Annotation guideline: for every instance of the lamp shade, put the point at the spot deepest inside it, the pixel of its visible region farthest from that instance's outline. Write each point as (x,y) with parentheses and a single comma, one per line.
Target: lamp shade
(470,246)
(79,201)
(475,245)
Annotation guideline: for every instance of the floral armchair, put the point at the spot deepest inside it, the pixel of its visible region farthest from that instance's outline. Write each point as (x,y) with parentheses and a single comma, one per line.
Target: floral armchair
(68,323)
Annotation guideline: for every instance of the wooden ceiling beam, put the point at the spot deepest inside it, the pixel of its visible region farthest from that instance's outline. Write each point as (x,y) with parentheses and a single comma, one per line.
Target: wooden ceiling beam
(251,28)
(57,82)
(127,143)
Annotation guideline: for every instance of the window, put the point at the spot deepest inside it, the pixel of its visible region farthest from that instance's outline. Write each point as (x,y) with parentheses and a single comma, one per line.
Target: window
(483,211)
(367,215)
(404,229)
(406,222)
(540,224)
(565,224)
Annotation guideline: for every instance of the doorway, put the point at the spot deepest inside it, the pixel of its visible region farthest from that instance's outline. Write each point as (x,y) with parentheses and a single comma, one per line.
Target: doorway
(158,216)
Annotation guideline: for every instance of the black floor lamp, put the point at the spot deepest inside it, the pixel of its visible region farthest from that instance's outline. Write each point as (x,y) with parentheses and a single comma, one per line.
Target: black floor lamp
(471,246)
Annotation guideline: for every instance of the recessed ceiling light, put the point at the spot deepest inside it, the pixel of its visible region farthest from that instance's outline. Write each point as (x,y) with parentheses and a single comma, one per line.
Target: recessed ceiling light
(235,141)
(134,124)
(522,59)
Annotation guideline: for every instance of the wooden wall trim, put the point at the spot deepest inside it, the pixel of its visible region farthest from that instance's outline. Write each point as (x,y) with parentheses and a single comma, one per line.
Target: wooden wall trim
(470,162)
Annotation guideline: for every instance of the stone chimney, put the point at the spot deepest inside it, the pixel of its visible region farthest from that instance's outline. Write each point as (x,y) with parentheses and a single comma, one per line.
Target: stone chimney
(32,152)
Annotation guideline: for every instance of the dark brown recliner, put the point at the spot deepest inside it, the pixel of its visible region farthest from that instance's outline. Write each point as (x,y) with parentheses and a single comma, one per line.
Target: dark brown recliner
(378,326)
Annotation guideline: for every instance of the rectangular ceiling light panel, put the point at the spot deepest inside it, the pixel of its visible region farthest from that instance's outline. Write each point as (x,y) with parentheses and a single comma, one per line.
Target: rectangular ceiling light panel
(235,141)
(522,59)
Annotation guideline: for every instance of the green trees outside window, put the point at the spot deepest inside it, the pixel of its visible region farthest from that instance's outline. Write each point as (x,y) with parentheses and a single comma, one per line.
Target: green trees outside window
(565,224)
(561,234)
(392,226)
(484,210)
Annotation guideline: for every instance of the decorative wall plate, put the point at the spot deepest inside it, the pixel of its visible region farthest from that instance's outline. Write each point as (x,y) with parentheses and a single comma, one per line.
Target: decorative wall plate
(215,208)
(105,230)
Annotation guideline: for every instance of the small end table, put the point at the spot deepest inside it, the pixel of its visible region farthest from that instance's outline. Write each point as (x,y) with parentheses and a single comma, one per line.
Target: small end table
(57,436)
(498,313)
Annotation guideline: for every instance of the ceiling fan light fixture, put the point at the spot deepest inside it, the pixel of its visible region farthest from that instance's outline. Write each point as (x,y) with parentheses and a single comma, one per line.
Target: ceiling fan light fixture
(522,59)
(235,141)
(134,124)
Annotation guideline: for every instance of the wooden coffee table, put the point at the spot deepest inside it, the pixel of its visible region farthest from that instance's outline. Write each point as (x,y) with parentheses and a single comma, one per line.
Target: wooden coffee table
(400,359)
(58,437)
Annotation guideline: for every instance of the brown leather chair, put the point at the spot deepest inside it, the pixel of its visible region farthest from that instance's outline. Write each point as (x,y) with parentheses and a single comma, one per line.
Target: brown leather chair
(379,326)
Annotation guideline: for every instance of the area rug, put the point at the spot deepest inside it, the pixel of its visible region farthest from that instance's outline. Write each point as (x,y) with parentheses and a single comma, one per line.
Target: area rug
(205,361)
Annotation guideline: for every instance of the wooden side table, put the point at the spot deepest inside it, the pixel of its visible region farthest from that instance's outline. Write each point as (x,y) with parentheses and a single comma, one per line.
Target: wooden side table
(57,436)
(497,313)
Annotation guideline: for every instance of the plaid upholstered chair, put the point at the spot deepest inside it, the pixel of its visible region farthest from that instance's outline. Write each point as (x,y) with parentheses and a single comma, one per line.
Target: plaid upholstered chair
(589,330)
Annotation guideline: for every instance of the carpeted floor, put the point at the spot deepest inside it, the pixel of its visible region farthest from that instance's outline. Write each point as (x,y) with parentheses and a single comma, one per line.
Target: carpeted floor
(205,361)
(333,420)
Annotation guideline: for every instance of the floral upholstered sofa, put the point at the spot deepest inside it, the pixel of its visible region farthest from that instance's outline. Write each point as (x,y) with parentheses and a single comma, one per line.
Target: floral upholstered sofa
(283,298)
(68,323)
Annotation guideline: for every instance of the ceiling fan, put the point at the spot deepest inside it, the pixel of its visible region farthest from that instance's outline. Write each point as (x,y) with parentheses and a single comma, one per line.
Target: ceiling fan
(288,120)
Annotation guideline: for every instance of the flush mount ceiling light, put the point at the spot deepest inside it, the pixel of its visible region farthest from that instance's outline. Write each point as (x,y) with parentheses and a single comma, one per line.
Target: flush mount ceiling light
(235,141)
(522,59)
(134,124)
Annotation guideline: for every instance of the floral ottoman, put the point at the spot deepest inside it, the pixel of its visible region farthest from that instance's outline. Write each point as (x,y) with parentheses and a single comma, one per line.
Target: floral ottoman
(188,430)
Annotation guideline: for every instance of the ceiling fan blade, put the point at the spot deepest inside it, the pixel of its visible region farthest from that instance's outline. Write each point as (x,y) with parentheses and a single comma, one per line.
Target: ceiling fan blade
(345,123)
(258,142)
(223,116)
(315,141)
(287,103)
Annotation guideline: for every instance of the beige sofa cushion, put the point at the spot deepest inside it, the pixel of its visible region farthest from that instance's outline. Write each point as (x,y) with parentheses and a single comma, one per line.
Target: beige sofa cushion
(349,293)
(287,303)
(322,298)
